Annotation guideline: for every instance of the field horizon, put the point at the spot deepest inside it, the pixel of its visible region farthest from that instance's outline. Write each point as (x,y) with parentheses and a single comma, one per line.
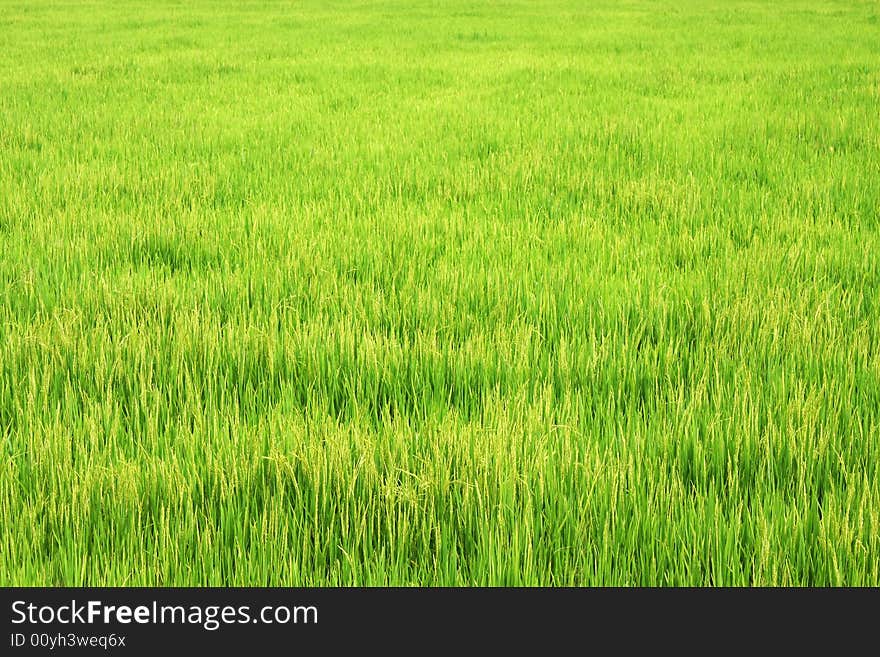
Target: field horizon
(419,293)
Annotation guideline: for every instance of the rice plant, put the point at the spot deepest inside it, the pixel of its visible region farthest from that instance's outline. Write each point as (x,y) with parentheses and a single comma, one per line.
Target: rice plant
(545,292)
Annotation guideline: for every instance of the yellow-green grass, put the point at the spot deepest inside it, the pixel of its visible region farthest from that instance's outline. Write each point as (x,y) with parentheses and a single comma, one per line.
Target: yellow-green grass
(493,293)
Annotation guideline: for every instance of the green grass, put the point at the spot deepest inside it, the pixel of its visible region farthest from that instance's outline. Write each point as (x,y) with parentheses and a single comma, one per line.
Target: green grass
(534,292)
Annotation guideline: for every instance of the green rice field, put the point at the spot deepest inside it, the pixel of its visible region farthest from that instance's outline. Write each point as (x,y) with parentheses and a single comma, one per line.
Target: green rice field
(421,292)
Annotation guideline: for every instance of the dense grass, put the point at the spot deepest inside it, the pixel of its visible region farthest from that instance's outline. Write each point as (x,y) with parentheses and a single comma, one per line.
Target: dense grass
(415,292)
